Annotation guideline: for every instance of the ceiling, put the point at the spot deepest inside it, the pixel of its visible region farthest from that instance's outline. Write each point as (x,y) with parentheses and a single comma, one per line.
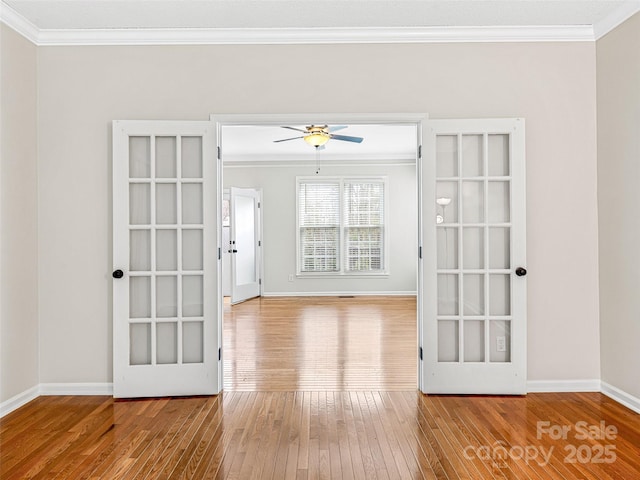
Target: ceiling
(82,14)
(308,21)
(255,144)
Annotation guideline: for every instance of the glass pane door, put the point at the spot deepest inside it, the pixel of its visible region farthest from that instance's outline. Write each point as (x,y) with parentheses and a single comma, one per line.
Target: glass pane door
(474,235)
(165,241)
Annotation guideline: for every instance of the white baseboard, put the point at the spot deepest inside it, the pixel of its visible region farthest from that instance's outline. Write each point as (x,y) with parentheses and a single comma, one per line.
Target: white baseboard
(19,400)
(621,396)
(533,386)
(563,386)
(338,294)
(76,389)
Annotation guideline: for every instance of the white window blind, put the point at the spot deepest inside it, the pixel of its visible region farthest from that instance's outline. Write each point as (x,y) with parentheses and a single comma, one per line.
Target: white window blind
(319,220)
(364,226)
(341,225)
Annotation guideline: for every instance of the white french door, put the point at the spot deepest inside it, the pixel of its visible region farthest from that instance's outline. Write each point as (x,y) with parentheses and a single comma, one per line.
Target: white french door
(165,256)
(474,286)
(244,243)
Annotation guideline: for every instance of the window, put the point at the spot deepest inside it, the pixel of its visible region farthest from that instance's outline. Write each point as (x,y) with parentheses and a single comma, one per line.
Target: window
(341,225)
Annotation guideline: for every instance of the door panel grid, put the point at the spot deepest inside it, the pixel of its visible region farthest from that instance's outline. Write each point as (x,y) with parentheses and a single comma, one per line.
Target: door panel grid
(480,290)
(157,267)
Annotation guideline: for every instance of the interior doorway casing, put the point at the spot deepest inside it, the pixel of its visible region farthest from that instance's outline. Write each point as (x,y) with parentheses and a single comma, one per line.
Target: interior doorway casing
(339,119)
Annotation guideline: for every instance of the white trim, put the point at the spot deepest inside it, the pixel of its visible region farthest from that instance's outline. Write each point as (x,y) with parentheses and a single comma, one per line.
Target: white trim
(287,160)
(621,14)
(340,293)
(19,400)
(621,396)
(563,386)
(19,23)
(289,36)
(80,389)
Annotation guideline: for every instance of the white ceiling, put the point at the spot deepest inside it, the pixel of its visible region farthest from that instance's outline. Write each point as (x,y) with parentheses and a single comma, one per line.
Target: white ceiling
(110,14)
(219,21)
(381,144)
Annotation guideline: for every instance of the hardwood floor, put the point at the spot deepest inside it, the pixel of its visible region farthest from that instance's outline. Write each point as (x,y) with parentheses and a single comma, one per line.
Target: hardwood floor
(321,343)
(305,418)
(292,435)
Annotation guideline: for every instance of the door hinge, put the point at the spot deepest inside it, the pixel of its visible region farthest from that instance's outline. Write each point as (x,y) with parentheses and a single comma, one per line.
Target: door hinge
(219,253)
(420,352)
(259,243)
(219,154)
(258,204)
(420,252)
(219,354)
(259,281)
(420,152)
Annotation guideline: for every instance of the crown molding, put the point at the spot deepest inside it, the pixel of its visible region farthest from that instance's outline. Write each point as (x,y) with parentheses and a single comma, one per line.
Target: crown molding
(325,160)
(285,36)
(292,36)
(13,19)
(615,18)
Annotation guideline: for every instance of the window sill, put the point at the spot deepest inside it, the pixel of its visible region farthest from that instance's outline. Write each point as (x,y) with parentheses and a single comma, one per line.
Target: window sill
(341,275)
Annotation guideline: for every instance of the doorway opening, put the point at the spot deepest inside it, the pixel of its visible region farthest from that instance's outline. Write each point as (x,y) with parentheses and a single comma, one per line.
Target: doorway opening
(316,330)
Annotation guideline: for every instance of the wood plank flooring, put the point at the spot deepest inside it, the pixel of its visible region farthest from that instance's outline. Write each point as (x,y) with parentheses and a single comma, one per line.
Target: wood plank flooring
(321,343)
(315,389)
(314,435)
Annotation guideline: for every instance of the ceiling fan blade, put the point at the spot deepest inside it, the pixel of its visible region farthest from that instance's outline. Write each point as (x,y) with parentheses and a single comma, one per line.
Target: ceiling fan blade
(335,128)
(347,138)
(287,139)
(294,128)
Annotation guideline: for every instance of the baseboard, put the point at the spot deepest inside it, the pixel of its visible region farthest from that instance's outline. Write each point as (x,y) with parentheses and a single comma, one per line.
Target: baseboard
(340,293)
(563,386)
(19,400)
(621,396)
(533,386)
(76,389)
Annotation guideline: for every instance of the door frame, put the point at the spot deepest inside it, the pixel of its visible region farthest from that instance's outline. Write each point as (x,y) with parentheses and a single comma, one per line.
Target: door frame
(416,119)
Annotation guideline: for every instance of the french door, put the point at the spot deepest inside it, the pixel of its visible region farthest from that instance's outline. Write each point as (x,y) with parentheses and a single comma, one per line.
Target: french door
(474,285)
(244,243)
(165,256)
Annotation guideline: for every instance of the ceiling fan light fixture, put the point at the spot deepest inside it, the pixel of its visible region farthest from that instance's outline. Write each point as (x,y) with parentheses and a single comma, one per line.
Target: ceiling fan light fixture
(316,139)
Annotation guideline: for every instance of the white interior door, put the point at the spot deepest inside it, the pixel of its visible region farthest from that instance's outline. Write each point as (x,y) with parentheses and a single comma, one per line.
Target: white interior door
(474,286)
(244,244)
(165,254)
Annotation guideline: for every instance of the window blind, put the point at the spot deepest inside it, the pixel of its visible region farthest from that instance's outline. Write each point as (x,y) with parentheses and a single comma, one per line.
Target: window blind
(364,226)
(319,221)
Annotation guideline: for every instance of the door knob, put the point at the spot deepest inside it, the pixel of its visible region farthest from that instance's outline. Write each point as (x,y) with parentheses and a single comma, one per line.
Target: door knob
(118,273)
(521,272)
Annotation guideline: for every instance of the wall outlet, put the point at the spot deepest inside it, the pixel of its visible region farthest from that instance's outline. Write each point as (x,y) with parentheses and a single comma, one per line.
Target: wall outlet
(501,344)
(291,277)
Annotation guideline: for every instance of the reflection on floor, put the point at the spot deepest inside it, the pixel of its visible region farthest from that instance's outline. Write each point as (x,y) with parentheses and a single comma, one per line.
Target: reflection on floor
(321,343)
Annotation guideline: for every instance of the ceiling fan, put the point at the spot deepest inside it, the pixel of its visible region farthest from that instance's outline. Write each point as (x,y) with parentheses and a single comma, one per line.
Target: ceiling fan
(318,135)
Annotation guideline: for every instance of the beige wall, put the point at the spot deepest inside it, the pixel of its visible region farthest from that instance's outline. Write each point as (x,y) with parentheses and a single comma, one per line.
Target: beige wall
(551,85)
(278,186)
(618,60)
(18,215)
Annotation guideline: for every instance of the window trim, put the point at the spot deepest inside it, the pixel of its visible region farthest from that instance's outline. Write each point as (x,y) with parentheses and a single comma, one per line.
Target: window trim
(342,272)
